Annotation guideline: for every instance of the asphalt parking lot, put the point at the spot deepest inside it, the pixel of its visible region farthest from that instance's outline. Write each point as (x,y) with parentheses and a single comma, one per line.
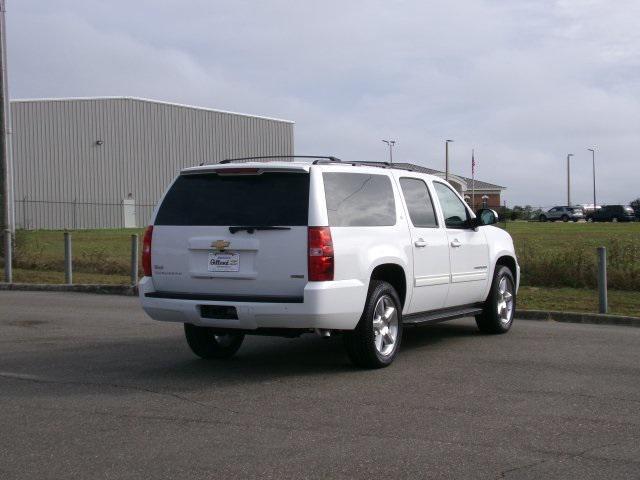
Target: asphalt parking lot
(91,388)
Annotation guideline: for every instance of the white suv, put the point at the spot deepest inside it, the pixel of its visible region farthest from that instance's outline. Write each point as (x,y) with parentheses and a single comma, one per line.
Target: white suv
(352,248)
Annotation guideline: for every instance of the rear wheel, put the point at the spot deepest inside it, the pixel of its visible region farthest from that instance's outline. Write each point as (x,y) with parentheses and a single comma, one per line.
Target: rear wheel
(500,307)
(376,340)
(208,343)
(565,218)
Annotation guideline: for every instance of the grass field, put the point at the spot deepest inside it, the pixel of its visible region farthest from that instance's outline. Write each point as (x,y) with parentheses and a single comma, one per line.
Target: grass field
(621,302)
(564,254)
(558,255)
(105,252)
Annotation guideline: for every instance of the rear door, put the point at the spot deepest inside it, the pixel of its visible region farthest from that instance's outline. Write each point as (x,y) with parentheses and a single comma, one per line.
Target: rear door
(468,249)
(240,232)
(429,242)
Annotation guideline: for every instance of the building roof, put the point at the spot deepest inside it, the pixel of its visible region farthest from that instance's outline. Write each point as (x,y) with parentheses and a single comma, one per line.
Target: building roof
(478,184)
(147,100)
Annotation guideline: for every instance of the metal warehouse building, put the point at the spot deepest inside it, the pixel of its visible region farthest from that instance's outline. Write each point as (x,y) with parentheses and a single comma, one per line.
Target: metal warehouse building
(104,162)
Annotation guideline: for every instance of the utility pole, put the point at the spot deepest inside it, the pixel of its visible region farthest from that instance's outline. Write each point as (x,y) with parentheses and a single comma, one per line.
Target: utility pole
(446,159)
(6,164)
(473,180)
(569,179)
(391,144)
(5,131)
(593,159)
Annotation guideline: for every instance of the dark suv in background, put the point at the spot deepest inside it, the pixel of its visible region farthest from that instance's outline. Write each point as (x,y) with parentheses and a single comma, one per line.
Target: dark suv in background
(612,213)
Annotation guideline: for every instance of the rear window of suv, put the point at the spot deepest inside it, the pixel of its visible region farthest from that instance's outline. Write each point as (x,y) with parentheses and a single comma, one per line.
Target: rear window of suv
(359,200)
(267,199)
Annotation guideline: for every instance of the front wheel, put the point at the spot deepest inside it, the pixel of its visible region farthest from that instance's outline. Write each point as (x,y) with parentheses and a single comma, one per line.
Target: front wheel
(376,340)
(208,343)
(565,218)
(500,306)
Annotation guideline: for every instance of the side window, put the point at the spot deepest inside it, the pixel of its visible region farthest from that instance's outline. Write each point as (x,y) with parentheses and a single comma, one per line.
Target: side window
(419,203)
(455,213)
(359,200)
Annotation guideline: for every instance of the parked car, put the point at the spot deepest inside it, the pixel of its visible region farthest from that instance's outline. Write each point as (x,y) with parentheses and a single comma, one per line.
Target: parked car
(562,213)
(361,250)
(613,213)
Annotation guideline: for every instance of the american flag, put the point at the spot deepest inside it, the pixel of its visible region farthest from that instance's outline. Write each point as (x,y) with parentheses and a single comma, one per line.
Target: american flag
(473,163)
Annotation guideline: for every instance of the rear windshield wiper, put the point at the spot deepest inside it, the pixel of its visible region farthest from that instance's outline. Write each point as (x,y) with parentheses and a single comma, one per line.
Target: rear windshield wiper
(251,229)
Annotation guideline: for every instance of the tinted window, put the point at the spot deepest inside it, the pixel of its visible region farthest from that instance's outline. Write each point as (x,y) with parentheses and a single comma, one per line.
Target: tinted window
(269,199)
(359,200)
(419,202)
(453,209)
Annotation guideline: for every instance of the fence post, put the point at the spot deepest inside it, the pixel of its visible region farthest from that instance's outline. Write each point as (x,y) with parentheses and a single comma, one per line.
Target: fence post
(602,280)
(68,267)
(8,262)
(134,259)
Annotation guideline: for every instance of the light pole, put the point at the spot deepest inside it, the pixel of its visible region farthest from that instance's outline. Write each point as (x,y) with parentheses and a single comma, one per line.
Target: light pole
(446,159)
(569,179)
(593,160)
(391,144)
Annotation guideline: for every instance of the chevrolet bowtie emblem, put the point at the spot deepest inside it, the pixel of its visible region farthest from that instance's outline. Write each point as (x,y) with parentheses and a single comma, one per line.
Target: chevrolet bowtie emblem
(220,244)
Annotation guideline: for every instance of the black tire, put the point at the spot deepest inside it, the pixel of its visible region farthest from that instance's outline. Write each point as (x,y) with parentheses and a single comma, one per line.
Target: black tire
(361,342)
(543,218)
(208,343)
(565,218)
(490,321)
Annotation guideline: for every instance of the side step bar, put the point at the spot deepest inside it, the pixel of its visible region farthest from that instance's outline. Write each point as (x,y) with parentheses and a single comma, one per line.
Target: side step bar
(437,316)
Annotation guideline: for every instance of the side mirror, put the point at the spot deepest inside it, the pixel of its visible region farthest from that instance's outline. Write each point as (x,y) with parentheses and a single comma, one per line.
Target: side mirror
(486,216)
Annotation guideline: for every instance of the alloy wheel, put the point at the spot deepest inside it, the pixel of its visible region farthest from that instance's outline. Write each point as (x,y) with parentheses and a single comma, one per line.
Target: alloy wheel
(505,300)
(385,325)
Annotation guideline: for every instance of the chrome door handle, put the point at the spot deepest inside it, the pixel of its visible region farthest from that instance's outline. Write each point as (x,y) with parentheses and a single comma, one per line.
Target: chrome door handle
(455,243)
(420,243)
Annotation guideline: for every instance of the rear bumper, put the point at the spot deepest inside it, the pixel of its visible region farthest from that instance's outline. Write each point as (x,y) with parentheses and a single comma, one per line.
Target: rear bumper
(327,305)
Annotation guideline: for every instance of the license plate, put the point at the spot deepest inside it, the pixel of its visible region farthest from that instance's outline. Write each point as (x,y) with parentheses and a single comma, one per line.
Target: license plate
(224,262)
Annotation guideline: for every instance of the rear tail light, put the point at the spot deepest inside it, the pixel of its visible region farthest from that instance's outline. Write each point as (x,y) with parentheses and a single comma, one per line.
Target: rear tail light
(146,251)
(320,254)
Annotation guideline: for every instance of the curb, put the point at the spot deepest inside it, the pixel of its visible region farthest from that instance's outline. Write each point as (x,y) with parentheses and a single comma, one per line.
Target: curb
(536,315)
(105,289)
(578,317)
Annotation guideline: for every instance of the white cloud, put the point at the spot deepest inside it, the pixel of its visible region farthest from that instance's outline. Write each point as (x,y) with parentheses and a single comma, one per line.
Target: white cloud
(523,82)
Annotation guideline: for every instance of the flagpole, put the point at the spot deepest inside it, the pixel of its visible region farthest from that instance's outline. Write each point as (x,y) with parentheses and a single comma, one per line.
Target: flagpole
(473,180)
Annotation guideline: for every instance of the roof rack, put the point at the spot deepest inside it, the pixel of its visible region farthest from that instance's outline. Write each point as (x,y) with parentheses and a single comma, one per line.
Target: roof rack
(262,157)
(356,163)
(324,160)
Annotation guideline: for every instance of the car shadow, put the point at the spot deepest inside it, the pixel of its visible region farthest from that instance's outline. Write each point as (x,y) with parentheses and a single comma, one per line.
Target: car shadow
(263,358)
(167,361)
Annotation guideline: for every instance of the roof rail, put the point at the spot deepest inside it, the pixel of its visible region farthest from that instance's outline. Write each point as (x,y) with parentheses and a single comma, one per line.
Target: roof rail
(369,164)
(323,160)
(269,157)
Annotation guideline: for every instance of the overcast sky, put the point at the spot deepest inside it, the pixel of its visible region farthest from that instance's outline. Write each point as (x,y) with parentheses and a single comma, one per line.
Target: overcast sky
(522,82)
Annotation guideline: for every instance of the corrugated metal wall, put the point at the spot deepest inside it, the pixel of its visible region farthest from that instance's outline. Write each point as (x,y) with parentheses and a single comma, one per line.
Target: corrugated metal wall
(65,179)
